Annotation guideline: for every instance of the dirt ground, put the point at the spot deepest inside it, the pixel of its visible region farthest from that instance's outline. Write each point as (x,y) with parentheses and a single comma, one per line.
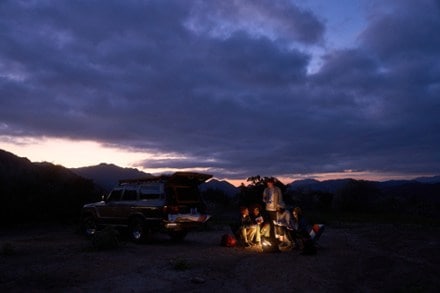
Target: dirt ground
(350,258)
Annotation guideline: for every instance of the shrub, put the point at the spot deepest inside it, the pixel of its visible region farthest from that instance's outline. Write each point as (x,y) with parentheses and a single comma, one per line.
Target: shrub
(180,264)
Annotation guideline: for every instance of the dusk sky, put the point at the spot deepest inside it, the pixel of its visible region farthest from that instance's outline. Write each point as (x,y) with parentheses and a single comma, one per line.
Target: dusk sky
(293,89)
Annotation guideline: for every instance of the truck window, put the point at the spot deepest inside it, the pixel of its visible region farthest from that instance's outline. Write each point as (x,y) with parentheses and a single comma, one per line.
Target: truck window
(150,192)
(114,195)
(129,194)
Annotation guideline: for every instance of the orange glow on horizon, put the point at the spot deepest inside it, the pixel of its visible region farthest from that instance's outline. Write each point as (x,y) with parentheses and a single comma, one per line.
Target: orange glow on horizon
(81,153)
(364,175)
(68,153)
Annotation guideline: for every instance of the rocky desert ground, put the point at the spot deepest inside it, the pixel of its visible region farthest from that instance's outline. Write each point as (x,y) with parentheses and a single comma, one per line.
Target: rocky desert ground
(350,258)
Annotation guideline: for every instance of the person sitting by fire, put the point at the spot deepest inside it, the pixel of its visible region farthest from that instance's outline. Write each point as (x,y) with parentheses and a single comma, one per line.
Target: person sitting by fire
(247,229)
(283,224)
(298,231)
(262,224)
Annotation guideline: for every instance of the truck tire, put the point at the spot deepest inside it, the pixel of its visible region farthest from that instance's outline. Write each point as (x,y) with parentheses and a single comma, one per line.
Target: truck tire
(89,226)
(138,231)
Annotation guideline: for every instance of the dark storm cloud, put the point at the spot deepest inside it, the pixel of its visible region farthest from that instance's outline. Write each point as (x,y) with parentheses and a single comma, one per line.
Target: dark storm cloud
(389,89)
(408,30)
(220,85)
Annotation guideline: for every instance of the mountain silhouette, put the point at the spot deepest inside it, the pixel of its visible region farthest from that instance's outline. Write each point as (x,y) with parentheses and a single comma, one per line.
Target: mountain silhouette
(222,185)
(41,191)
(108,175)
(47,192)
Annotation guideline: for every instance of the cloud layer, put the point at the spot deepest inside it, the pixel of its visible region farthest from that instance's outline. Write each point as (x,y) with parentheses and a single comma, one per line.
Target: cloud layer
(224,85)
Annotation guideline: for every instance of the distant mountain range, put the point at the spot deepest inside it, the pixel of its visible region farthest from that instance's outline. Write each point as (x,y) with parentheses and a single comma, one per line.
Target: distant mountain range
(108,175)
(434,179)
(314,185)
(32,192)
(223,185)
(334,185)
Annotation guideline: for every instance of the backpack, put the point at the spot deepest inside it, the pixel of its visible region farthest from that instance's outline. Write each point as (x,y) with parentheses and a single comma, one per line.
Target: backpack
(316,232)
(228,240)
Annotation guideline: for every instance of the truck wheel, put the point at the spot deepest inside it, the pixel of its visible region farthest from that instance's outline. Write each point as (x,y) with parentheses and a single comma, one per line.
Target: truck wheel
(89,226)
(138,231)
